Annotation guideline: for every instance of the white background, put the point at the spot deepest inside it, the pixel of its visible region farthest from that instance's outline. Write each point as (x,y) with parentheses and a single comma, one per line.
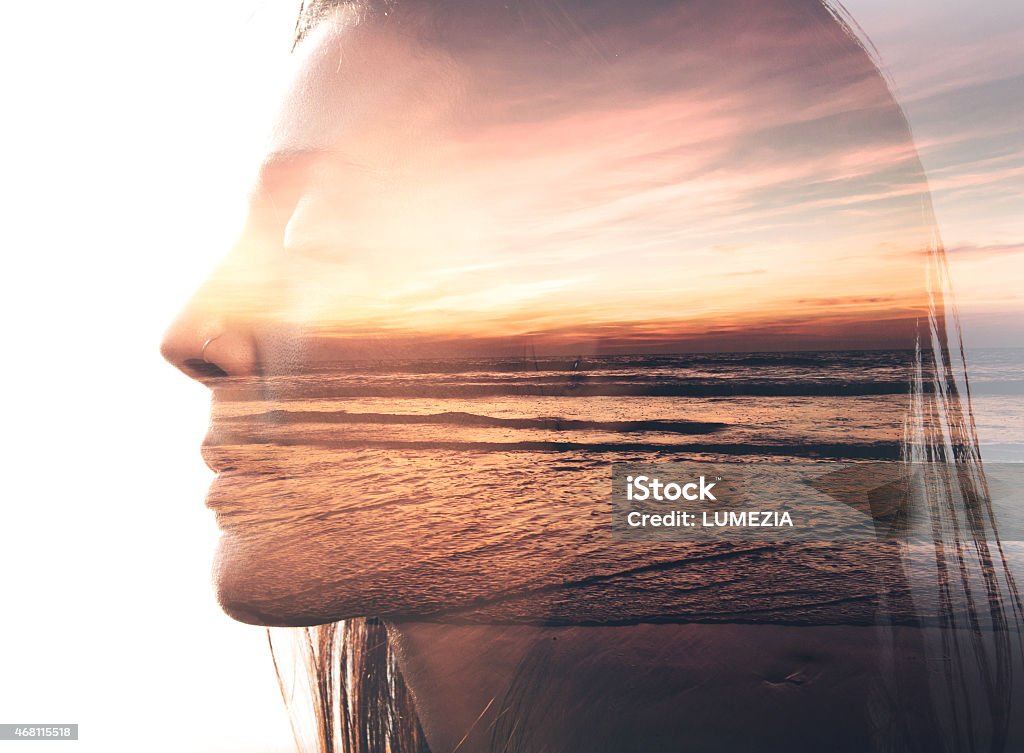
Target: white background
(129,132)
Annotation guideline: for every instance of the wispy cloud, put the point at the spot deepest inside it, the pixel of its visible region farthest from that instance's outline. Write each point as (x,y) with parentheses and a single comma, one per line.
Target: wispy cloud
(742,181)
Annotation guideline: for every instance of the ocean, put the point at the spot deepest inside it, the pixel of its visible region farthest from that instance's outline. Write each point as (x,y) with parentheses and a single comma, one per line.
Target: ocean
(480,488)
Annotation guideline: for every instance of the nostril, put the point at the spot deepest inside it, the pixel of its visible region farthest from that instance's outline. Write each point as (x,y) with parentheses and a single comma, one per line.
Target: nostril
(201,369)
(231,352)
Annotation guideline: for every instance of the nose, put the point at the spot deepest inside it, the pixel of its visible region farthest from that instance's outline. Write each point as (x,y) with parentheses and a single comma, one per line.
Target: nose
(208,345)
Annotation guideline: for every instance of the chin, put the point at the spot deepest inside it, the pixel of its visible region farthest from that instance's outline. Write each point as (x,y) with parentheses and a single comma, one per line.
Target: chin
(258,591)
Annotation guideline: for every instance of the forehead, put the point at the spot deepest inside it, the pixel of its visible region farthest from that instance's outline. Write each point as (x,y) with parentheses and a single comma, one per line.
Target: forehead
(690,106)
(425,74)
(685,73)
(353,76)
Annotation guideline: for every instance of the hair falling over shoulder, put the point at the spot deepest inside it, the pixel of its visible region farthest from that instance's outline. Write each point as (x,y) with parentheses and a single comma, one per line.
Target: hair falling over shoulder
(360,703)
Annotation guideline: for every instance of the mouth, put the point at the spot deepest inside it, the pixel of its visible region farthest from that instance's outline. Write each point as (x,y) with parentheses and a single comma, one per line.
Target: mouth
(223,450)
(249,488)
(212,451)
(221,457)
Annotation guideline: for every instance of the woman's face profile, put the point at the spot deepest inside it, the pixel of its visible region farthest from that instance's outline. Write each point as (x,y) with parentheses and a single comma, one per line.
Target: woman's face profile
(489,188)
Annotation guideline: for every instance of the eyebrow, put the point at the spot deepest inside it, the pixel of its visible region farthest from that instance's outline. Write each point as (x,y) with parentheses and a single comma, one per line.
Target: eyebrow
(283,176)
(287,161)
(279,183)
(282,163)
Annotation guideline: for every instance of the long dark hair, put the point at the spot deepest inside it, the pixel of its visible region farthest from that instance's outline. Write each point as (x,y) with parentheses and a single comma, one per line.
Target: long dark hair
(361,704)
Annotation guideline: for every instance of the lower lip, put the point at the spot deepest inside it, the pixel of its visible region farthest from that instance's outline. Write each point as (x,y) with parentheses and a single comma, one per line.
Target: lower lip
(223,494)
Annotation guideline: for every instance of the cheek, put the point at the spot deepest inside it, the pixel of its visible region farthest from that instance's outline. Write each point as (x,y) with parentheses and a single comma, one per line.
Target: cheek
(394,532)
(323,534)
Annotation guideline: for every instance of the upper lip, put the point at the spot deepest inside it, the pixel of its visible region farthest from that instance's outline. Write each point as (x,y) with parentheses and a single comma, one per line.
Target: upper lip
(212,452)
(209,456)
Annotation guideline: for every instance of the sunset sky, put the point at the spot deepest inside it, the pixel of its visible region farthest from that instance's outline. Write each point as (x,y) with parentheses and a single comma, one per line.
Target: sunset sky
(959,77)
(738,188)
